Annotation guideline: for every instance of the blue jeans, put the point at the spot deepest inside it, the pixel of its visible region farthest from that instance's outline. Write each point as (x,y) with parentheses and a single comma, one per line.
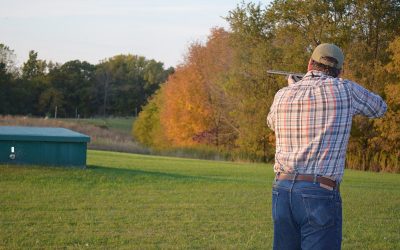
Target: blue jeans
(306,216)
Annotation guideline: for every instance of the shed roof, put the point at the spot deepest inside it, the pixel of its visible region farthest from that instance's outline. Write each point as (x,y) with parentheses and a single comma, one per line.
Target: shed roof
(17,133)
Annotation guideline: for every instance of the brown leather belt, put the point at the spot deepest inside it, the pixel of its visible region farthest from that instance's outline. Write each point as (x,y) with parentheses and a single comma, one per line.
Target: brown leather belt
(305,177)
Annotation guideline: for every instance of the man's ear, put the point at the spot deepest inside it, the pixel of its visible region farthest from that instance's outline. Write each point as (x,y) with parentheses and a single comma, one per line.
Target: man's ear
(309,67)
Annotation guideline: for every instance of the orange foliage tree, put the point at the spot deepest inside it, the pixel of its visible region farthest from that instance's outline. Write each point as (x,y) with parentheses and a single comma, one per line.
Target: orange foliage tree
(194,100)
(185,111)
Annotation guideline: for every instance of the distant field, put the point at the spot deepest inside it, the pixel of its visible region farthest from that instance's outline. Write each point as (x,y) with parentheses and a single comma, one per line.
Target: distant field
(145,202)
(120,124)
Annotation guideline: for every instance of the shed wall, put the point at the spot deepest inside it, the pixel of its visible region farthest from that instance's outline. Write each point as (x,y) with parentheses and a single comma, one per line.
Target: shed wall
(44,153)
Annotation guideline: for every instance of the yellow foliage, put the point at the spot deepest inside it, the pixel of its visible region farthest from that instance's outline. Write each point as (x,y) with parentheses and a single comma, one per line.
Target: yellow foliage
(185,112)
(192,97)
(394,49)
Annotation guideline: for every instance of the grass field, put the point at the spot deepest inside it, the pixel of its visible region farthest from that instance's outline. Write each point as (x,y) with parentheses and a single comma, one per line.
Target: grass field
(145,202)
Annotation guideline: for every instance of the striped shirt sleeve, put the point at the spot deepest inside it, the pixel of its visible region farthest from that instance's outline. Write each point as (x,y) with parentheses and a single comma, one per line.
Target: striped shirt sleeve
(367,103)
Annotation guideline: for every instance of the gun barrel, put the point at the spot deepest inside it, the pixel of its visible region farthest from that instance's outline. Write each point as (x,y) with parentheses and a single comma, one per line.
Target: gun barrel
(278,72)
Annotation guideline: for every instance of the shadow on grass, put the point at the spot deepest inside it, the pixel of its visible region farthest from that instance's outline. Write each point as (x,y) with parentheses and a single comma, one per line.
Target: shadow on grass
(123,172)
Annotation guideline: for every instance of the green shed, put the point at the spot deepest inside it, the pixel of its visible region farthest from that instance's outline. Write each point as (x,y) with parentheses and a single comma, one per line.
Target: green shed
(42,146)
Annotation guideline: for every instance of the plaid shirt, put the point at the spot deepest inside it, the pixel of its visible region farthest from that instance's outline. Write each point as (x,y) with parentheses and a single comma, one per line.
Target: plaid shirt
(312,121)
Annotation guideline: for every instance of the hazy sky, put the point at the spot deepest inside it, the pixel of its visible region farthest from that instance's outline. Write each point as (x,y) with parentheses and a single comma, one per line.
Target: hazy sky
(92,30)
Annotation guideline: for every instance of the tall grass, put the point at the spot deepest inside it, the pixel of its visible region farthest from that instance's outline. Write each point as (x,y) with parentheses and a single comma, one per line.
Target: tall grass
(377,161)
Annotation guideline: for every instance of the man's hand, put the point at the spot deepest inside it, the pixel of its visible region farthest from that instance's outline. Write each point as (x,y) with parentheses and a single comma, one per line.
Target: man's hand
(293,79)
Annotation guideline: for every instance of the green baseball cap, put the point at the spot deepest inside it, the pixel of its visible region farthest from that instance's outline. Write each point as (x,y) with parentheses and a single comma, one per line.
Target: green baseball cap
(328,50)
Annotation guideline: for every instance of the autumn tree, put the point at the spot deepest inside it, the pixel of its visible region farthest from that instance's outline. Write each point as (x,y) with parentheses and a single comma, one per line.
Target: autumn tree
(185,112)
(293,28)
(213,62)
(148,128)
(223,85)
(250,87)
(387,142)
(200,105)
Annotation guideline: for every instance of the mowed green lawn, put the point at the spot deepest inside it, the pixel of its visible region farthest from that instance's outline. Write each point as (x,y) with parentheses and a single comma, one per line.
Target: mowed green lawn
(146,202)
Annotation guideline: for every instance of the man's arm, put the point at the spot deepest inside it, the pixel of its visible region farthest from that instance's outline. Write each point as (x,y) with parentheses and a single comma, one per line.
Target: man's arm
(272,111)
(271,118)
(367,103)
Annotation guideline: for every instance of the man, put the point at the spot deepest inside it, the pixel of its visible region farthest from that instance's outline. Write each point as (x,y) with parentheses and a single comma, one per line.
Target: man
(312,121)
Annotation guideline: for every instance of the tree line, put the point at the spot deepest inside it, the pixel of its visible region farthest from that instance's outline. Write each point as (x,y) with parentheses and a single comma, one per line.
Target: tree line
(220,95)
(117,86)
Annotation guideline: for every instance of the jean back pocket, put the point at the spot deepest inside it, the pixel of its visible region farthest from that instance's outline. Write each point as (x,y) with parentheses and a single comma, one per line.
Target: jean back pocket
(320,210)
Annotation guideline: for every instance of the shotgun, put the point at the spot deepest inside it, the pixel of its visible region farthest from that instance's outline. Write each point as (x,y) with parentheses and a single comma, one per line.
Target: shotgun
(285,73)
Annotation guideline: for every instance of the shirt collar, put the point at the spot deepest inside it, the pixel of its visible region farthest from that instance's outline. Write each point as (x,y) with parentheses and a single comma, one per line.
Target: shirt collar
(315,73)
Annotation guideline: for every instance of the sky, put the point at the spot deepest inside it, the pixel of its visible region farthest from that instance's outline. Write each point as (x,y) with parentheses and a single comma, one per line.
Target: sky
(93,30)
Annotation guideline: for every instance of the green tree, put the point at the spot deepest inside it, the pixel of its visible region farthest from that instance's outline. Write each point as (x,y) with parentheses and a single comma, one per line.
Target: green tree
(34,82)
(147,128)
(101,90)
(68,88)
(124,82)
(34,67)
(13,92)
(8,57)
(5,89)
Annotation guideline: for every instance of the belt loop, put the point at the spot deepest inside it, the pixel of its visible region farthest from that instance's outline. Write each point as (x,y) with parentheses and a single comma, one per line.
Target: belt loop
(293,181)
(314,178)
(277,176)
(295,176)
